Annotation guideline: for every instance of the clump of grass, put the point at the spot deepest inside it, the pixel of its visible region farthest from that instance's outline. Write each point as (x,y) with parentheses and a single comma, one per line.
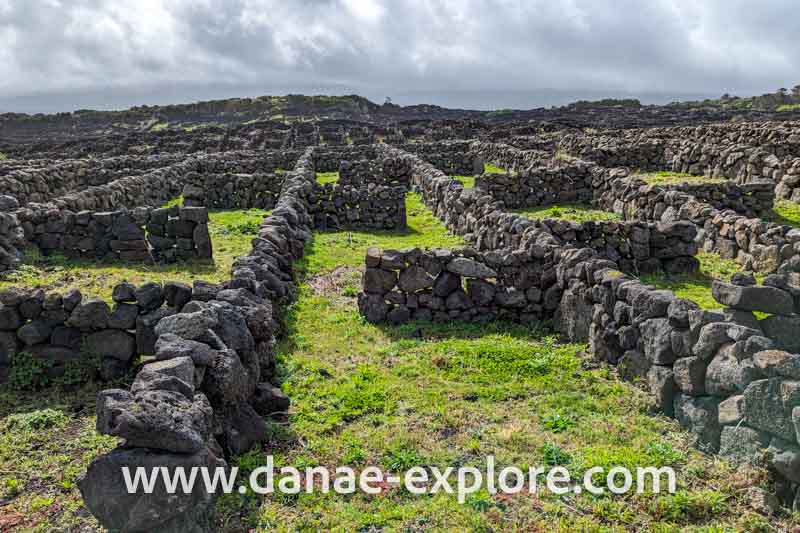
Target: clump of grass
(489,168)
(3,156)
(572,212)
(327,177)
(785,213)
(666,177)
(467,181)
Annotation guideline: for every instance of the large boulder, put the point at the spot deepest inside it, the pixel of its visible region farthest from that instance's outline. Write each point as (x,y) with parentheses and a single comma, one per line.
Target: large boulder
(161,419)
(114,343)
(105,494)
(768,405)
(700,416)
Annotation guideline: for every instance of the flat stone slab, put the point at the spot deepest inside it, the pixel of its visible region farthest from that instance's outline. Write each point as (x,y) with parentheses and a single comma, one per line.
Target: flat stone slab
(765,299)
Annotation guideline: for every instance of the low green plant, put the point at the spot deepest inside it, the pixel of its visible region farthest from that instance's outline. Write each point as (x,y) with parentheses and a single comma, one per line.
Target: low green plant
(27,372)
(35,420)
(489,168)
(79,370)
(554,455)
(11,487)
(558,423)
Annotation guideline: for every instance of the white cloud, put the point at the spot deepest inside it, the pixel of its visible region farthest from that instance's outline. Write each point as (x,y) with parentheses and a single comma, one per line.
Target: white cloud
(669,45)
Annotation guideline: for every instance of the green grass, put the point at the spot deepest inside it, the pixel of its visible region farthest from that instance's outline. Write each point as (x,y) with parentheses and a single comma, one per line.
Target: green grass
(327,177)
(697,287)
(489,168)
(231,232)
(47,439)
(675,178)
(349,247)
(787,107)
(786,213)
(467,181)
(573,212)
(3,156)
(451,394)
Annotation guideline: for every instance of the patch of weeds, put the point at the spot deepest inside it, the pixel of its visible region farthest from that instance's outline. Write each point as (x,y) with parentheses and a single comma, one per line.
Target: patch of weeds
(11,487)
(558,423)
(80,370)
(554,455)
(467,181)
(666,177)
(41,419)
(577,213)
(684,507)
(785,213)
(489,168)
(697,286)
(28,373)
(327,177)
(401,458)
(663,454)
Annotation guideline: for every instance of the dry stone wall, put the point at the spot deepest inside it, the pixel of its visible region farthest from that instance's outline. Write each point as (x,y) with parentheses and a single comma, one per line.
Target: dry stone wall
(789,186)
(451,157)
(366,207)
(756,244)
(12,237)
(204,397)
(144,234)
(726,376)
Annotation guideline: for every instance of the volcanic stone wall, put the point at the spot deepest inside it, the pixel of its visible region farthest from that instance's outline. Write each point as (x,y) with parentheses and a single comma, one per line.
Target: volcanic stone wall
(328,159)
(442,285)
(552,181)
(12,238)
(510,158)
(744,157)
(368,206)
(232,191)
(726,376)
(451,157)
(204,397)
(144,234)
(63,330)
(485,223)
(756,244)
(39,181)
(789,186)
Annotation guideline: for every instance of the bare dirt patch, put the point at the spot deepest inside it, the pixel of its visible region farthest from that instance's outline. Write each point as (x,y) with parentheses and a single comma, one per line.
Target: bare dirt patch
(340,284)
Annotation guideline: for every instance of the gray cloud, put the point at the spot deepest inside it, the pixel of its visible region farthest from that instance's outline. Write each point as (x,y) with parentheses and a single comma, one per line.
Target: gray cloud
(381,46)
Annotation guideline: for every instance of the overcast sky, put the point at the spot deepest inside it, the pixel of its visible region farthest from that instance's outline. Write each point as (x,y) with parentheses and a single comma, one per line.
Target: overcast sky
(74,51)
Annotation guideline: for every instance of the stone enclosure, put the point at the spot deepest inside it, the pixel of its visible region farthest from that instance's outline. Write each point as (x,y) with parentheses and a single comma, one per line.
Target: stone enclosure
(731,376)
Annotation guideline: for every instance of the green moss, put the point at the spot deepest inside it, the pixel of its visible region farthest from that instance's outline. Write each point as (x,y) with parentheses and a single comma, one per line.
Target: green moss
(573,212)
